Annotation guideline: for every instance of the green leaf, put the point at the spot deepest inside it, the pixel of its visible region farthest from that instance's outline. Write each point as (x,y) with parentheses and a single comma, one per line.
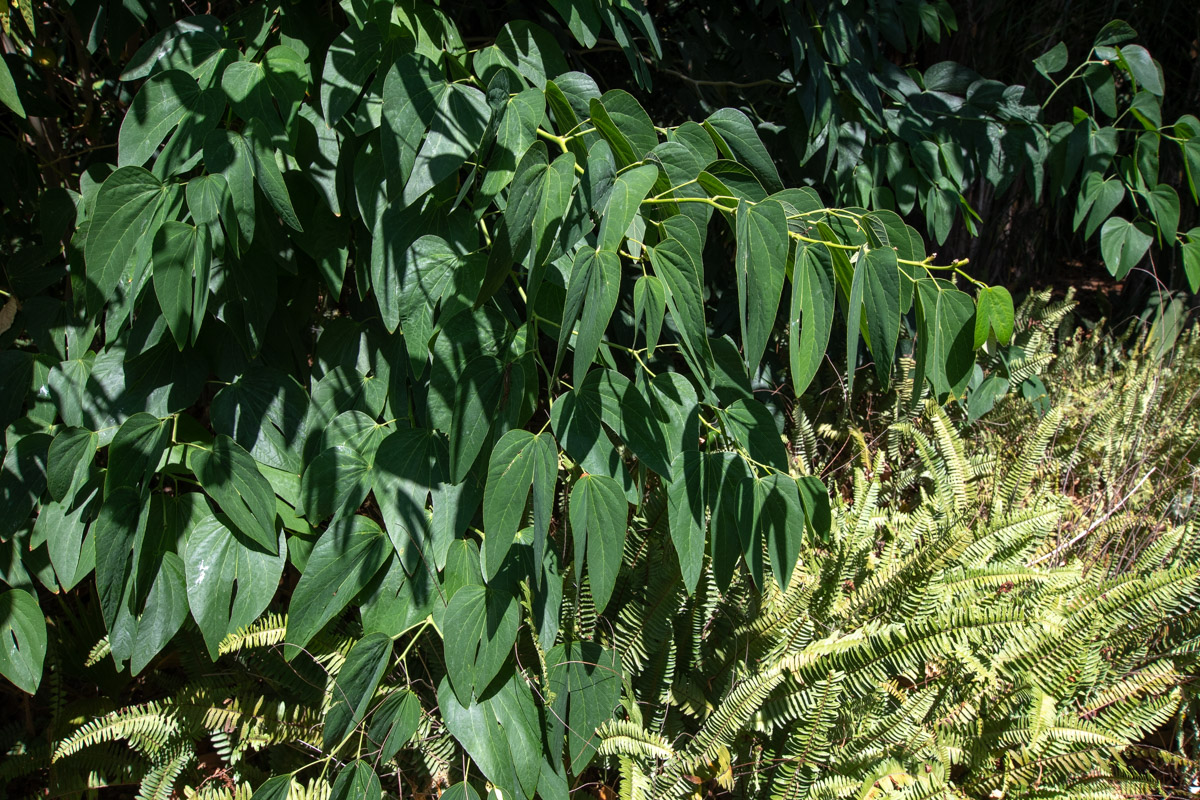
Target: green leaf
(162,103)
(481,628)
(395,722)
(1164,205)
(501,733)
(1114,32)
(276,788)
(350,60)
(408,465)
(126,206)
(586,681)
(135,451)
(994,312)
(1143,68)
(736,138)
(683,276)
(264,412)
(460,791)
(731,531)
(945,336)
(1052,61)
(477,395)
(751,425)
(649,304)
(628,192)
(1123,244)
(165,610)
(216,559)
(22,639)
(520,462)
(355,687)
(686,514)
(762,251)
(1191,258)
(268,176)
(881,299)
(182,258)
(598,514)
(356,781)
(460,118)
(854,308)
(229,475)
(780,521)
(811,318)
(334,484)
(69,460)
(8,91)
(593,289)
(817,514)
(344,560)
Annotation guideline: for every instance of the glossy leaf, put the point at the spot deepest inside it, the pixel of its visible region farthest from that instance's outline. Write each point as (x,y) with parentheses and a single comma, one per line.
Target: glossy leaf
(182,258)
(811,317)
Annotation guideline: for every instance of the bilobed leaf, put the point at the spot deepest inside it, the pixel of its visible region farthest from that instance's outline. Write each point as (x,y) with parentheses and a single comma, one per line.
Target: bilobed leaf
(649,304)
(945,336)
(780,521)
(182,258)
(459,120)
(134,453)
(268,176)
(683,279)
(598,514)
(22,639)
(1052,61)
(395,722)
(994,311)
(762,250)
(686,514)
(275,788)
(355,687)
(881,299)
(230,579)
(586,681)
(592,296)
(476,397)
(127,203)
(161,104)
(520,462)
(1142,68)
(350,60)
(335,483)
(1164,205)
(817,514)
(1123,244)
(356,781)
(229,475)
(811,318)
(737,139)
(481,627)
(408,465)
(68,461)
(751,425)
(502,734)
(344,560)
(628,192)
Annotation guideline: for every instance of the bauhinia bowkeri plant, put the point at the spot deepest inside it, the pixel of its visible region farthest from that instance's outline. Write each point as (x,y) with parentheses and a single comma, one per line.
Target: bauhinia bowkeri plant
(398,336)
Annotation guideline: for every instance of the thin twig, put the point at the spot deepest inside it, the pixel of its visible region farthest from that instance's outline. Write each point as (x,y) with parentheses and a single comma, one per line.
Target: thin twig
(1097,523)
